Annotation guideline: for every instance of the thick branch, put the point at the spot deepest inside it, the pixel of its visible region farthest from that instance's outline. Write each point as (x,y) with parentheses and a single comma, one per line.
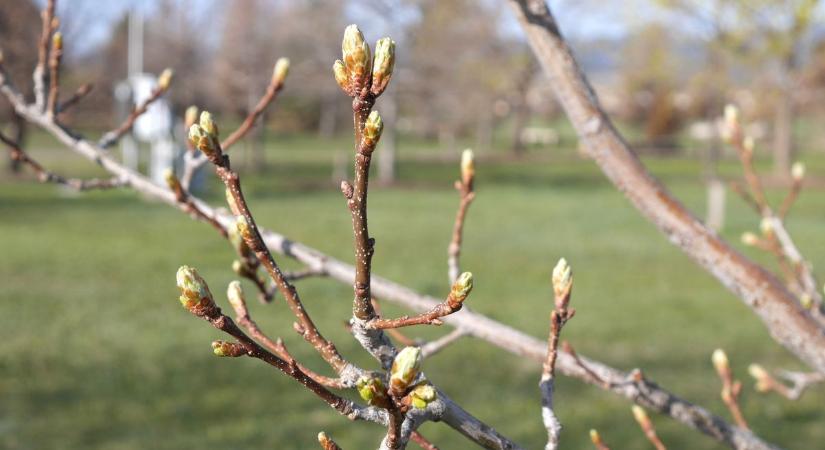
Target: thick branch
(787,322)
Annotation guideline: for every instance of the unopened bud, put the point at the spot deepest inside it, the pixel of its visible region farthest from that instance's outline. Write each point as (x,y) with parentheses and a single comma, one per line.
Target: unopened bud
(356,57)
(280,71)
(243,227)
(165,79)
(235,295)
(405,368)
(383,65)
(207,122)
(462,287)
(596,438)
(798,171)
(762,377)
(371,389)
(749,239)
(57,41)
(641,417)
(203,141)
(372,130)
(748,144)
(766,226)
(227,349)
(720,362)
(172,180)
(191,116)
(422,395)
(326,442)
(731,115)
(341,77)
(194,293)
(238,267)
(468,168)
(562,279)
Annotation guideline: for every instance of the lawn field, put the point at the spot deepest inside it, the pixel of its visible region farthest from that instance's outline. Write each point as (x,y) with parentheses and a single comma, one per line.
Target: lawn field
(97,353)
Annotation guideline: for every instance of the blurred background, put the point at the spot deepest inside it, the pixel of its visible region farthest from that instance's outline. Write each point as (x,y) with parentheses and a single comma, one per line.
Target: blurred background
(95,351)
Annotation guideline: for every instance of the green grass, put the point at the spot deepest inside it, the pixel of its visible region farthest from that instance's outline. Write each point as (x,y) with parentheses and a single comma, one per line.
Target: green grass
(96,352)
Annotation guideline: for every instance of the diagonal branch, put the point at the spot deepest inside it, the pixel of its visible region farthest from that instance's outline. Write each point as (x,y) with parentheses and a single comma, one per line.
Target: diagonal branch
(111,137)
(786,321)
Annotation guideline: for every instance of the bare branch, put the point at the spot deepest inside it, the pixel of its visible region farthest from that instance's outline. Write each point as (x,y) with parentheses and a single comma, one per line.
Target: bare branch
(78,95)
(788,323)
(465,188)
(111,137)
(431,348)
(48,26)
(800,381)
(730,388)
(458,294)
(54,69)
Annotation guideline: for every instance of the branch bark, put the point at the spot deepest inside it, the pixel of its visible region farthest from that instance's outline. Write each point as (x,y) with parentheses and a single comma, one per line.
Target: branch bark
(786,321)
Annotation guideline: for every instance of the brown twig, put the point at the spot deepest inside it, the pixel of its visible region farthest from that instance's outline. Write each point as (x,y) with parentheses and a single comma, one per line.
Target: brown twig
(745,196)
(394,333)
(647,427)
(243,318)
(190,206)
(593,376)
(798,173)
(800,381)
(48,26)
(275,85)
(455,299)
(54,68)
(111,137)
(326,442)
(464,186)
(422,441)
(78,95)
(730,388)
(46,176)
(249,231)
(562,288)
(597,441)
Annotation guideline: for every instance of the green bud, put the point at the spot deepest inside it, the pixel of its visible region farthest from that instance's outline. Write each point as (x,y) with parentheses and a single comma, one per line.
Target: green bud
(191,116)
(562,279)
(227,349)
(372,129)
(371,389)
(194,293)
(243,227)
(356,57)
(462,287)
(341,76)
(468,168)
(172,180)
(207,122)
(280,71)
(405,368)
(382,65)
(57,41)
(238,267)
(422,395)
(165,79)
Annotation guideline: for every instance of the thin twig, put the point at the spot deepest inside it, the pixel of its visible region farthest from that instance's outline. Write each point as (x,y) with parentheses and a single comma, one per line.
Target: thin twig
(455,300)
(275,86)
(562,288)
(48,27)
(244,319)
(597,441)
(190,206)
(464,186)
(431,348)
(111,137)
(730,388)
(800,381)
(326,442)
(647,427)
(422,441)
(78,95)
(54,68)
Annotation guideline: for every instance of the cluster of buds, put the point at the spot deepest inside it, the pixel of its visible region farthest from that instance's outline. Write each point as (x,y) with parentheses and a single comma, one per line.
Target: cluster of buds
(280,71)
(562,281)
(404,371)
(372,390)
(357,72)
(468,168)
(227,349)
(372,132)
(165,79)
(204,137)
(194,293)
(461,289)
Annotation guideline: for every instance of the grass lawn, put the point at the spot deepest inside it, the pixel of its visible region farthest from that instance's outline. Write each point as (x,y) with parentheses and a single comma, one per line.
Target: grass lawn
(96,351)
